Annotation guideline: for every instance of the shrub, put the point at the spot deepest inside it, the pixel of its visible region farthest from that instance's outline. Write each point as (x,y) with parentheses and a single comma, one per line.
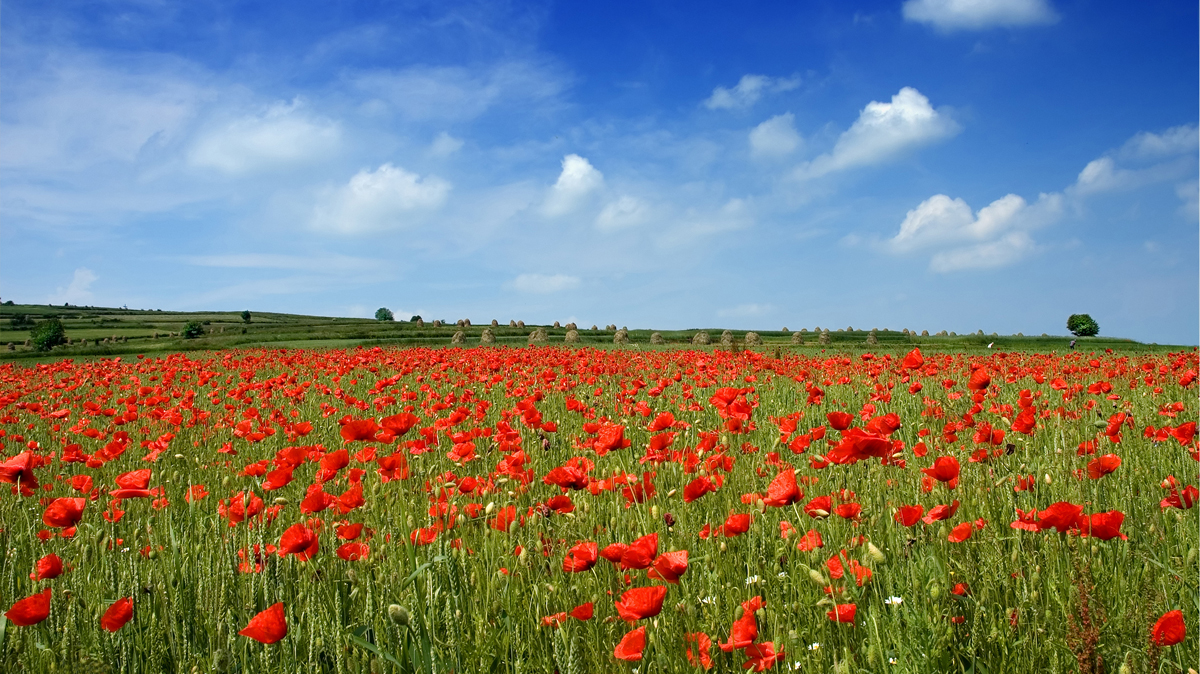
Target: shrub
(1082,325)
(192,330)
(246,316)
(19,321)
(48,334)
(384,314)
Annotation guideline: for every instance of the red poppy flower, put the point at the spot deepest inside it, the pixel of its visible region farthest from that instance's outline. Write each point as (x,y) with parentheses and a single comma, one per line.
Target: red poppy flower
(979,380)
(631,646)
(670,566)
(783,490)
(353,551)
(136,479)
(820,506)
(1061,516)
(913,360)
(1167,631)
(267,627)
(298,540)
(840,421)
(697,488)
(1104,526)
(960,533)
(349,532)
(640,554)
(554,620)
(848,511)
(736,524)
(909,515)
(47,567)
(117,615)
(641,602)
(362,430)
(700,657)
(583,611)
(745,629)
(30,610)
(64,512)
(843,613)
(945,469)
(810,541)
(940,512)
(580,558)
(1103,465)
(762,656)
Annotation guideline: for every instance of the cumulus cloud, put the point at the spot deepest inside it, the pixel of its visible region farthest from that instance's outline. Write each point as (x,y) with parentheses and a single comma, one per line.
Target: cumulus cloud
(281,136)
(1150,146)
(995,236)
(578,180)
(78,291)
(386,198)
(747,91)
(955,15)
(544,283)
(776,137)
(1144,159)
(626,211)
(883,131)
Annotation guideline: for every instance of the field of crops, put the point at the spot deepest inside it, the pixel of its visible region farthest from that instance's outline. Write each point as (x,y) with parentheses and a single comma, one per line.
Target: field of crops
(545,509)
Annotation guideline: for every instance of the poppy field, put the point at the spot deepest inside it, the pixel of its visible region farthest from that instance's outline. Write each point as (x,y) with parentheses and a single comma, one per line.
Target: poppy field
(548,509)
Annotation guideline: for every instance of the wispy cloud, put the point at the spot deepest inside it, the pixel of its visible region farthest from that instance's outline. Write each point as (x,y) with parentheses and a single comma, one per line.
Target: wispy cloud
(748,91)
(956,15)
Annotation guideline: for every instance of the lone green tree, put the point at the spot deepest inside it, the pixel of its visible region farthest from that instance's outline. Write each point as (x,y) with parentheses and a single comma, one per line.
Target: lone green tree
(48,334)
(246,316)
(384,314)
(192,330)
(1082,325)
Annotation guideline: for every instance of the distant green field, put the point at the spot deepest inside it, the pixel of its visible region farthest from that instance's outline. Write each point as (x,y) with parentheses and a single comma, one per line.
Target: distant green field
(99,331)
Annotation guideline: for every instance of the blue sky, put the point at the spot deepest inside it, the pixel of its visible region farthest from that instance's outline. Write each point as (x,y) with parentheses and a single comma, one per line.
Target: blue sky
(924,164)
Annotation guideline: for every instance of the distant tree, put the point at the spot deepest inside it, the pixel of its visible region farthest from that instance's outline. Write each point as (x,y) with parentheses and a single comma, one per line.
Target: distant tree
(192,330)
(1082,325)
(384,314)
(414,319)
(48,334)
(246,316)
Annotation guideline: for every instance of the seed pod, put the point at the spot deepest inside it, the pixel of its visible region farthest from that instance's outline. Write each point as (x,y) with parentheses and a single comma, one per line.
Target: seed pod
(1014,557)
(654,511)
(491,508)
(817,577)
(1047,479)
(220,660)
(819,514)
(1191,558)
(281,501)
(399,615)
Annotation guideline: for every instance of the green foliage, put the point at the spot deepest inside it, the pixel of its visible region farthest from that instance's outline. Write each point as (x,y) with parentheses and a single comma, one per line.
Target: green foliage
(48,334)
(415,318)
(246,316)
(192,330)
(1082,325)
(384,314)
(20,321)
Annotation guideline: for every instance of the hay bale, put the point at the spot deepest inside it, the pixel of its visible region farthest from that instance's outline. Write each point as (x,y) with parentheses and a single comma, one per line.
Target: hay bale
(622,337)
(521,324)
(488,337)
(924,333)
(727,338)
(953,334)
(804,330)
(872,340)
(459,323)
(556,325)
(824,338)
(420,322)
(611,327)
(538,336)
(512,324)
(849,329)
(594,328)
(466,322)
(753,339)
(797,338)
(458,338)
(700,338)
(572,336)
(785,330)
(657,338)
(1043,334)
(1020,335)
(495,323)
(12,347)
(572,326)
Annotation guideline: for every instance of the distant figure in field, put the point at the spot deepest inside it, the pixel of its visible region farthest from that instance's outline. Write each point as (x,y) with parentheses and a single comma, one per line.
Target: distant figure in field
(1072,345)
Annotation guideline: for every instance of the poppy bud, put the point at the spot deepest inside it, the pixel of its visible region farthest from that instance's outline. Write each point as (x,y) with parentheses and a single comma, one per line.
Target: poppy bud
(722,546)
(1047,479)
(1014,557)
(875,554)
(352,577)
(819,514)
(669,520)
(817,577)
(491,508)
(512,529)
(225,482)
(399,614)
(220,660)
(281,501)
(1191,558)
(935,592)
(654,511)
(671,493)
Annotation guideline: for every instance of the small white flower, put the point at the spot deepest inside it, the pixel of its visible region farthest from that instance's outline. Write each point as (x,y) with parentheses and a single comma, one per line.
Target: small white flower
(894,601)
(892,661)
(752,580)
(814,646)
(708,600)
(783,574)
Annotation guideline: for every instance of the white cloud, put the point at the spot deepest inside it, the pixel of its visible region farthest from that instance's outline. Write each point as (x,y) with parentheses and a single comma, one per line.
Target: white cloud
(1174,141)
(544,283)
(883,131)
(78,291)
(626,211)
(996,236)
(747,91)
(445,145)
(1156,158)
(327,263)
(577,181)
(775,137)
(953,15)
(387,198)
(1006,250)
(281,136)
